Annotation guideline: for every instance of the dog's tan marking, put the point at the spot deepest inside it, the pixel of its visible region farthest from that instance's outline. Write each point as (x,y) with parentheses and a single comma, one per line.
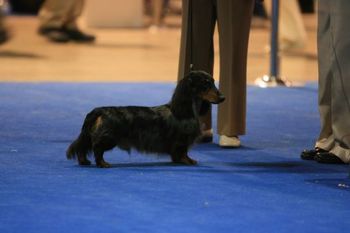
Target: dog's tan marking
(211,95)
(98,122)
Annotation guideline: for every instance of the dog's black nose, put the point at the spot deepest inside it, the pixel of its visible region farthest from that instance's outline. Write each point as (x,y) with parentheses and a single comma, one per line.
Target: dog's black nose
(221,98)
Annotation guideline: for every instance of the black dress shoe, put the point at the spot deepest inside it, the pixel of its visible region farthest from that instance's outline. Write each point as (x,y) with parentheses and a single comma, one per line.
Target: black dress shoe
(79,36)
(58,35)
(327,157)
(310,154)
(3,36)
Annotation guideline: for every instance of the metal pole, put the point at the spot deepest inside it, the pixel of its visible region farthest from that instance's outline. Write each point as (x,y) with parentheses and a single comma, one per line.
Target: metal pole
(190,22)
(273,79)
(274,57)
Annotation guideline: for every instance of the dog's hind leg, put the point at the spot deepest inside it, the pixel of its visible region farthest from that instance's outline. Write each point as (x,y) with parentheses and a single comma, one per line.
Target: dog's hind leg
(100,162)
(83,161)
(100,145)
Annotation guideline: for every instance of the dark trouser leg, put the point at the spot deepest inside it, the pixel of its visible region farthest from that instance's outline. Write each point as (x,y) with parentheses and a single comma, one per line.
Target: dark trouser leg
(197,41)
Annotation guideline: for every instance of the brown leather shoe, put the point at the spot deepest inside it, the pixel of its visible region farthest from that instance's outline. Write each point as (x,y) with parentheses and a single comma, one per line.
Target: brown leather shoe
(3,36)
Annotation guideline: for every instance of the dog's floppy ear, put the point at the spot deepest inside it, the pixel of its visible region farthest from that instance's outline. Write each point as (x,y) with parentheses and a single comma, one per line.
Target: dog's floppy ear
(189,77)
(190,83)
(205,107)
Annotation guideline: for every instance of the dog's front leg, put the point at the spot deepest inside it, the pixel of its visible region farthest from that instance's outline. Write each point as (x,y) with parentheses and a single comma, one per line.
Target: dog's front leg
(100,162)
(180,156)
(185,159)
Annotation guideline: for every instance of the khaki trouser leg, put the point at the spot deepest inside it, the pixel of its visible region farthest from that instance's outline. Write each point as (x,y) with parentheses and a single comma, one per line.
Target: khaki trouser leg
(334,80)
(291,26)
(1,18)
(59,13)
(157,8)
(234,17)
(75,13)
(325,140)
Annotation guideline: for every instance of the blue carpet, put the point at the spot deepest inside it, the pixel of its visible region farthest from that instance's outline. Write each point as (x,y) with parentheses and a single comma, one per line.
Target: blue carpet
(261,187)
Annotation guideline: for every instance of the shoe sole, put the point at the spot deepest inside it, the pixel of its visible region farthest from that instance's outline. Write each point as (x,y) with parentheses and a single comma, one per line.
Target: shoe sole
(229,146)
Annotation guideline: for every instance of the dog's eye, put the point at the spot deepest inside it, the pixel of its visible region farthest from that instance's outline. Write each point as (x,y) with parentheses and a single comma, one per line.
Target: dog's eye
(207,83)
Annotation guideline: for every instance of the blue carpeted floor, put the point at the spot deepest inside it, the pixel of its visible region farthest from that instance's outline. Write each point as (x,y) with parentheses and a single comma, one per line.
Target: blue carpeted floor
(261,187)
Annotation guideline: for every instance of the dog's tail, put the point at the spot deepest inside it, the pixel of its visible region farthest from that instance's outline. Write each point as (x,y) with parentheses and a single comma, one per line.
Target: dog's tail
(83,144)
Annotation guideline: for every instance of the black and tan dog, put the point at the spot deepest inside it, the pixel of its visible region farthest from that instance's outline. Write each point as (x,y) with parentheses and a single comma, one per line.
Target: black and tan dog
(166,129)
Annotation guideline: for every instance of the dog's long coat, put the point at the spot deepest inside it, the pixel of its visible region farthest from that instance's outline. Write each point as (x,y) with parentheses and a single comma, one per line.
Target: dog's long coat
(167,129)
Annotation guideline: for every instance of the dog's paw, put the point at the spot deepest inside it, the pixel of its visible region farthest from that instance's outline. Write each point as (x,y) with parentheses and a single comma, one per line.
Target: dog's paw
(84,163)
(188,161)
(104,165)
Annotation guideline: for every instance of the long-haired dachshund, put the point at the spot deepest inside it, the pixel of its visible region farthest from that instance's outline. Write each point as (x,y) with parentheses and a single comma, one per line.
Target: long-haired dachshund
(166,129)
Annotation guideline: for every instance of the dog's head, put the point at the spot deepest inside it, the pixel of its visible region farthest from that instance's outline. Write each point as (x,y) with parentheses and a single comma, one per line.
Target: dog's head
(203,87)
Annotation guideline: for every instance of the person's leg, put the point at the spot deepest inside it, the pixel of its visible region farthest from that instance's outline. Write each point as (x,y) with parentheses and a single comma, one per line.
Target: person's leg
(157,8)
(340,94)
(334,82)
(71,26)
(292,32)
(58,21)
(234,17)
(3,31)
(53,16)
(197,41)
(73,15)
(55,13)
(325,139)
(2,16)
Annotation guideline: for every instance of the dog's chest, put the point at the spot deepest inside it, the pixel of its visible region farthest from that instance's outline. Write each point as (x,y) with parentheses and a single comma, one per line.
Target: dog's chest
(187,128)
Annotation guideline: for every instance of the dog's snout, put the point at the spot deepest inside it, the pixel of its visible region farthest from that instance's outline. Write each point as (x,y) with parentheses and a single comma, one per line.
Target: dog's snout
(213,96)
(221,97)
